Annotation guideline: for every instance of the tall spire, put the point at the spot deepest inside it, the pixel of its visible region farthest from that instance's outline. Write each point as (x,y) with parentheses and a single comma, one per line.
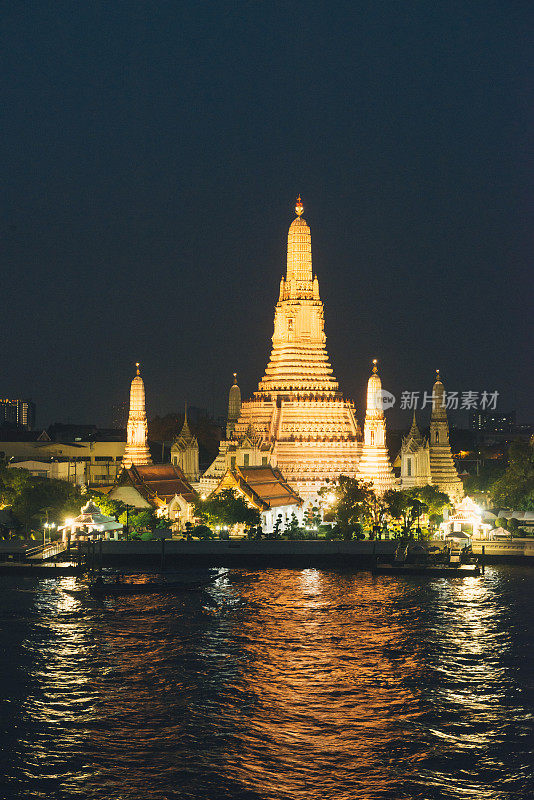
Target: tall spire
(374,464)
(299,361)
(299,258)
(234,407)
(415,433)
(442,468)
(186,431)
(438,399)
(136,451)
(184,451)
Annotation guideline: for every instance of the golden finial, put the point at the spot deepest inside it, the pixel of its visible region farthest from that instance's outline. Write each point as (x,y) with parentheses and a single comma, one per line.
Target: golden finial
(137,367)
(375,362)
(437,374)
(235,377)
(299,208)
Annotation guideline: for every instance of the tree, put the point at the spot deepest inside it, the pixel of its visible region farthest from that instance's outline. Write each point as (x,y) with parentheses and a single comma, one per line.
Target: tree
(434,500)
(351,501)
(277,528)
(202,532)
(188,530)
(226,508)
(32,499)
(515,489)
(403,505)
(293,529)
(109,507)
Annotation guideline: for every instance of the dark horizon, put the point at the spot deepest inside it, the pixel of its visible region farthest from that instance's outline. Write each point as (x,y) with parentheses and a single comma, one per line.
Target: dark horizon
(152,159)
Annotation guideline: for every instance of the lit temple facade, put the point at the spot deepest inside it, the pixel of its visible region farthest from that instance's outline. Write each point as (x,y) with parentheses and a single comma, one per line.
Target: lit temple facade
(185,453)
(430,461)
(136,451)
(442,467)
(234,407)
(374,465)
(415,459)
(298,419)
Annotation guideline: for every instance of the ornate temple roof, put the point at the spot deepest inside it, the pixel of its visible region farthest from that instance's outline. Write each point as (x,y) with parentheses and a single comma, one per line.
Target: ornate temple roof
(414,433)
(264,486)
(157,481)
(185,438)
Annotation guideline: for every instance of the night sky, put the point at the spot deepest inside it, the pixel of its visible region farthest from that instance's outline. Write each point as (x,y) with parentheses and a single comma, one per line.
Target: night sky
(151,156)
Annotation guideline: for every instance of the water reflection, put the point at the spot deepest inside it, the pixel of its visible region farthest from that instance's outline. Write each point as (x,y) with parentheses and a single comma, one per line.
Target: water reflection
(303,684)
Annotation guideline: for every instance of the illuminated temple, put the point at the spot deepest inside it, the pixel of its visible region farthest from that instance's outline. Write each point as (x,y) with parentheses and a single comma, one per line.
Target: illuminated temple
(374,465)
(298,419)
(136,451)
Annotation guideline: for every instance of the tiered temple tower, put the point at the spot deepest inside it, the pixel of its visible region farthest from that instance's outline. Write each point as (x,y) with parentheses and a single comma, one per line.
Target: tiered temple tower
(136,451)
(234,407)
(304,425)
(442,468)
(374,465)
(184,452)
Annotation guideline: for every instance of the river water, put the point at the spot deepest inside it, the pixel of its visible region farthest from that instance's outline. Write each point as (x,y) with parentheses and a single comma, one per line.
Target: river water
(302,685)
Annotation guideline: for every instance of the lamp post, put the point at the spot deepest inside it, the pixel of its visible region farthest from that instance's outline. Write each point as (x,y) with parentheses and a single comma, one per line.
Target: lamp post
(48,526)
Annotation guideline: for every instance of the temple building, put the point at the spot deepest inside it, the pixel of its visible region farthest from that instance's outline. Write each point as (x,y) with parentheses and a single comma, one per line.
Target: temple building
(234,407)
(161,487)
(265,488)
(442,468)
(246,450)
(136,451)
(374,465)
(423,461)
(184,452)
(298,419)
(415,459)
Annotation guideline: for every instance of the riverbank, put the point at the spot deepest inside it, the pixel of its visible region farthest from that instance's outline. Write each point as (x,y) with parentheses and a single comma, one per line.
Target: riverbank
(282,553)
(244,552)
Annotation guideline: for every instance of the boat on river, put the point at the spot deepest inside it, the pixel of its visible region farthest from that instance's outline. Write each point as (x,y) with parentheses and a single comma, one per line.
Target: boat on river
(419,558)
(436,570)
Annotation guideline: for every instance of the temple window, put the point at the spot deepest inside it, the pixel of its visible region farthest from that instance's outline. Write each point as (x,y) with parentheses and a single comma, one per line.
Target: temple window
(409,466)
(437,437)
(372,437)
(246,460)
(232,462)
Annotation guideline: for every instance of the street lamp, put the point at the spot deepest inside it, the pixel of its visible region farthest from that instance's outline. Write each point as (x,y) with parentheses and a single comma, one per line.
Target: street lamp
(49,526)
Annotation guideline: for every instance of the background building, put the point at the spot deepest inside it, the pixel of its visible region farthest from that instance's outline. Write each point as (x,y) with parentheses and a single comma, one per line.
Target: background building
(17,413)
(492,426)
(86,453)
